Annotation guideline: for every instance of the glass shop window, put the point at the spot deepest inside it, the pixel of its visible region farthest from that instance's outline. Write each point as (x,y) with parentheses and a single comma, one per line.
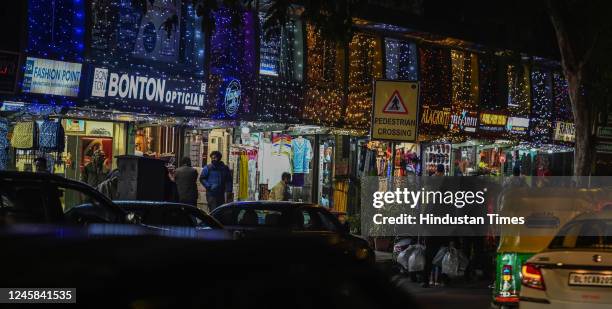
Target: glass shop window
(281,49)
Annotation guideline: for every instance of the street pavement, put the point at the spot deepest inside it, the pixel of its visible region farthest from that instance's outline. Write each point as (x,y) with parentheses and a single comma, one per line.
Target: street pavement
(473,295)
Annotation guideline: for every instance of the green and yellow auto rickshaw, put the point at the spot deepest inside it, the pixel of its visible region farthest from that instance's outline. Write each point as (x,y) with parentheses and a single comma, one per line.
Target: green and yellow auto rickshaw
(545,211)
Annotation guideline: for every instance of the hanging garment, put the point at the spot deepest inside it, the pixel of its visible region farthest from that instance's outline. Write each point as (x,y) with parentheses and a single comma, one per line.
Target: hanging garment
(51,136)
(243,190)
(252,166)
(4,144)
(297,180)
(302,153)
(25,135)
(271,166)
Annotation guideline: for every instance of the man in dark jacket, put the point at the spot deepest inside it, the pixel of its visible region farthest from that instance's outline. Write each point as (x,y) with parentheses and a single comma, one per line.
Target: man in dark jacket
(217,180)
(186,178)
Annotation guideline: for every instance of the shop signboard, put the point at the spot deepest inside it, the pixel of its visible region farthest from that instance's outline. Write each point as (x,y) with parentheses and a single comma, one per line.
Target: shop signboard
(492,122)
(517,125)
(604,132)
(395,110)
(46,76)
(564,132)
(98,128)
(74,126)
(435,118)
(604,147)
(464,121)
(148,90)
(9,64)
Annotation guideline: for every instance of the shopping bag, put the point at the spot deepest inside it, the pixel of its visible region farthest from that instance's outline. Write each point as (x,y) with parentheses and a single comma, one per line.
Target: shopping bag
(450,263)
(437,260)
(416,262)
(403,258)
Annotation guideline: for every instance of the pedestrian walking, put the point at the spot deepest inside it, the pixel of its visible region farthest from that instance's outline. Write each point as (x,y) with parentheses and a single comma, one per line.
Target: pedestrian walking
(280,192)
(186,178)
(217,180)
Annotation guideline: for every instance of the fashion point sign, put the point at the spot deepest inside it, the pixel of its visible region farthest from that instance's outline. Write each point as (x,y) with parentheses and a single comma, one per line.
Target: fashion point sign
(51,77)
(149,90)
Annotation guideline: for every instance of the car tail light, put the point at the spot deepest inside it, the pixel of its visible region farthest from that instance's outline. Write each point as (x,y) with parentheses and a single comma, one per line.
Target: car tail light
(532,277)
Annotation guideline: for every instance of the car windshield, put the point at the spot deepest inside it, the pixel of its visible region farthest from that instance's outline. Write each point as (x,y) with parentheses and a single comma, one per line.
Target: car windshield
(584,234)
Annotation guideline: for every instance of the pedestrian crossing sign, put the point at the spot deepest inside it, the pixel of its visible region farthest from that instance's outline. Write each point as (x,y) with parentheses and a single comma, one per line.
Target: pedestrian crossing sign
(395,105)
(394,110)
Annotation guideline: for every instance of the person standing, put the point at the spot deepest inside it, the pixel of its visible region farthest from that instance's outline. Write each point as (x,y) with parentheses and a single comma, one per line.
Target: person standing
(41,165)
(94,172)
(186,178)
(280,192)
(217,180)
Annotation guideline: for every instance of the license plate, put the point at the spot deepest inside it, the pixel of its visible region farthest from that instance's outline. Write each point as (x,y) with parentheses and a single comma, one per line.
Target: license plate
(590,279)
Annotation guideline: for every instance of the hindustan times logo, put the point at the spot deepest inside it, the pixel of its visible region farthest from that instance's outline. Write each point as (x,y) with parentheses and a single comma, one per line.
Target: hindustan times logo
(423,197)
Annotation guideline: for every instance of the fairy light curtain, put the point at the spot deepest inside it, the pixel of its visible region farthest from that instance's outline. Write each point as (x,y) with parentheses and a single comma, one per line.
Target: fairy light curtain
(401,60)
(56,29)
(464,80)
(562,104)
(280,93)
(233,57)
(519,96)
(435,76)
(492,84)
(324,79)
(365,59)
(541,111)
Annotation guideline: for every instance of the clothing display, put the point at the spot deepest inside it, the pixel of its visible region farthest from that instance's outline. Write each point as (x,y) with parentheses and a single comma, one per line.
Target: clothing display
(25,135)
(243,174)
(51,136)
(282,144)
(302,154)
(271,166)
(4,144)
(297,180)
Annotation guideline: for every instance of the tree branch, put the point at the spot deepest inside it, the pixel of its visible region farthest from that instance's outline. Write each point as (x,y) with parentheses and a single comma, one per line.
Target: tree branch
(567,52)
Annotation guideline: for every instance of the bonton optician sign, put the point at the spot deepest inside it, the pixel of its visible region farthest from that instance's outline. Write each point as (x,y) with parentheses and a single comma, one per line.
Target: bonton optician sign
(395,110)
(148,90)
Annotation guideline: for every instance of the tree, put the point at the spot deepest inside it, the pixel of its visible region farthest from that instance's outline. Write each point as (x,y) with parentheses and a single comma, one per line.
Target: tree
(583,29)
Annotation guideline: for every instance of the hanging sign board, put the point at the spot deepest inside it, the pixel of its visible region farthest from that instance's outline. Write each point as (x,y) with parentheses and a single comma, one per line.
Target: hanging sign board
(395,110)
(517,125)
(564,132)
(9,64)
(51,77)
(464,121)
(492,122)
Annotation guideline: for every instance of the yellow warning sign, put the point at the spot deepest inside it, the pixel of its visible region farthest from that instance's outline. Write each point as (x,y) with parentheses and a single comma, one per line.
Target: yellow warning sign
(395,110)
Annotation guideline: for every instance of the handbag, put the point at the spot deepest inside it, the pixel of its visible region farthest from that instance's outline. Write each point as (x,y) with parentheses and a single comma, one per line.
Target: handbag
(51,137)
(25,135)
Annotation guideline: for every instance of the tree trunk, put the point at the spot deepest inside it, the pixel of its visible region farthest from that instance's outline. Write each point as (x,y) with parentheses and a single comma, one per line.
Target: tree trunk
(584,147)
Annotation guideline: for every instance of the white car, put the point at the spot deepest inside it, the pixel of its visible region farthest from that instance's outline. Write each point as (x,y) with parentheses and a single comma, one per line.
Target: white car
(575,271)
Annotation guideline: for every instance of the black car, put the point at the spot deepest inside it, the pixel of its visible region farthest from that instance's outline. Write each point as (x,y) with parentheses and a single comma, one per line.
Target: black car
(156,214)
(267,218)
(27,197)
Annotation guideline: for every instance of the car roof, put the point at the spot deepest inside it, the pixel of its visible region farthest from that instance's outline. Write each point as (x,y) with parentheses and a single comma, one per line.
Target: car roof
(150,203)
(605,214)
(273,205)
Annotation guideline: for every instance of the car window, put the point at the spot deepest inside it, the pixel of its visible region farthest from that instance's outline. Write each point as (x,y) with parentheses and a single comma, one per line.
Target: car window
(258,217)
(69,197)
(202,221)
(22,203)
(586,234)
(177,217)
(310,220)
(327,222)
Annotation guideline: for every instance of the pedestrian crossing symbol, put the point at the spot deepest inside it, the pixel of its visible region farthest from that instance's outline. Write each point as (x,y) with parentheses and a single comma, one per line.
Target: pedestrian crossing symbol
(395,105)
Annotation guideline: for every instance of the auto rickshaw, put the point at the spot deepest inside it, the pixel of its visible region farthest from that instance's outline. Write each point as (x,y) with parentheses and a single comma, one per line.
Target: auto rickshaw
(545,211)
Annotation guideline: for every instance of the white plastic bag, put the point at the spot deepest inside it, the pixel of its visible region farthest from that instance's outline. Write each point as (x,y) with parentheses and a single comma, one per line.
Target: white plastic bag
(437,260)
(404,256)
(450,263)
(416,262)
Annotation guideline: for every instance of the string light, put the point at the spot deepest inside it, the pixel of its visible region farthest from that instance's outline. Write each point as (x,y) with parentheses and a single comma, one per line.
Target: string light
(519,98)
(488,83)
(435,75)
(464,80)
(400,60)
(324,79)
(541,112)
(365,66)
(562,104)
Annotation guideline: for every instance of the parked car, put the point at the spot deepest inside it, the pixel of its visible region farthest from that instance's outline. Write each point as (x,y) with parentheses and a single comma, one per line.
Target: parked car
(144,271)
(267,218)
(156,214)
(575,271)
(27,197)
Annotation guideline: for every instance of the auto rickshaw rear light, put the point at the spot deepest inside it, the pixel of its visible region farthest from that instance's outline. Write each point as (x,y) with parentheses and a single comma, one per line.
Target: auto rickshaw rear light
(532,277)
